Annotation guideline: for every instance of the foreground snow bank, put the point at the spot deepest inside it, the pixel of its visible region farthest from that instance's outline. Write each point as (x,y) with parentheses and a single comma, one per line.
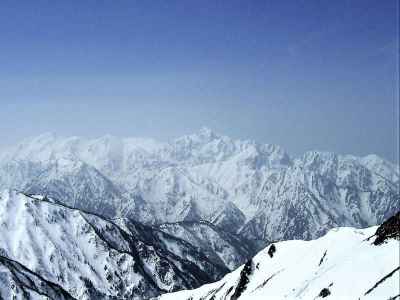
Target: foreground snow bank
(343,264)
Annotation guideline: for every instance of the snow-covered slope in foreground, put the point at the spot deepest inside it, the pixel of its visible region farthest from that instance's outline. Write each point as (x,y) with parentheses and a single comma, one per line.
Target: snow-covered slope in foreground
(346,263)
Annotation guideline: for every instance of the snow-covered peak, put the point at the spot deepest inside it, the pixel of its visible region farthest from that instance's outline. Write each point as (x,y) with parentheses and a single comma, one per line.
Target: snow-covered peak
(205,140)
(45,137)
(34,148)
(207,132)
(207,146)
(202,176)
(203,134)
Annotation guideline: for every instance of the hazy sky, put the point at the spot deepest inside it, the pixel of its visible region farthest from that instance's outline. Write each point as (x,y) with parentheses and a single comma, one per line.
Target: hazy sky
(302,74)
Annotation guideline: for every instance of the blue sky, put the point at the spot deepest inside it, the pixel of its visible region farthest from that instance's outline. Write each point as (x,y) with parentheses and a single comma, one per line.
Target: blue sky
(302,74)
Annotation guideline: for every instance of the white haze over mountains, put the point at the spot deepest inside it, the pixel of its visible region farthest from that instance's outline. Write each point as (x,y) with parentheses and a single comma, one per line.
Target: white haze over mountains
(129,218)
(256,190)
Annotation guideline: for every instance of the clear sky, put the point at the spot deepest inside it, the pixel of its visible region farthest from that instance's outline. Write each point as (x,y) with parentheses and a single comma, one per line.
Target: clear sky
(307,75)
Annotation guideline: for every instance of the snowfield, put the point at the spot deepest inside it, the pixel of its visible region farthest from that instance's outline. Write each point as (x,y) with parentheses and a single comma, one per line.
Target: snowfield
(343,264)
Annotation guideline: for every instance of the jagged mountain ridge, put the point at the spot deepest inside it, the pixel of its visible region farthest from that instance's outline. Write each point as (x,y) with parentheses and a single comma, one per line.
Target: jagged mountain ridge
(335,266)
(75,253)
(253,189)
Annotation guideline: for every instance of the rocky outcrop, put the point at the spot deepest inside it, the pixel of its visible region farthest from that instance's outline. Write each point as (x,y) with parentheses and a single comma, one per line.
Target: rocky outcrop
(389,229)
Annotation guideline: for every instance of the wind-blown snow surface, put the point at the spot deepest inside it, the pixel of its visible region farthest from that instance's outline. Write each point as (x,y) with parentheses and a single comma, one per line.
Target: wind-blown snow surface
(257,190)
(343,264)
(49,249)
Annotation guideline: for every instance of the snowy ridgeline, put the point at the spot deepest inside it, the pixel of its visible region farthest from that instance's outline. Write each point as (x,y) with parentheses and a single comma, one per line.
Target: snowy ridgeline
(255,190)
(64,253)
(344,264)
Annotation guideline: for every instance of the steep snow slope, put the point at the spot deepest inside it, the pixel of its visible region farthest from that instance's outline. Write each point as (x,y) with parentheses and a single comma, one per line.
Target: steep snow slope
(253,189)
(221,247)
(90,257)
(19,283)
(346,263)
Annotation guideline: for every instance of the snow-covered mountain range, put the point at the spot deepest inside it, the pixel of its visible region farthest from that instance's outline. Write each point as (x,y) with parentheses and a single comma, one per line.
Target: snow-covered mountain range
(346,263)
(256,190)
(49,249)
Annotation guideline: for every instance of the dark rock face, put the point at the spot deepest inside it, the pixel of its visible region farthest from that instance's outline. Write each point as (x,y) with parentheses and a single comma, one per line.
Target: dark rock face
(389,229)
(322,258)
(271,250)
(244,280)
(325,292)
(382,280)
